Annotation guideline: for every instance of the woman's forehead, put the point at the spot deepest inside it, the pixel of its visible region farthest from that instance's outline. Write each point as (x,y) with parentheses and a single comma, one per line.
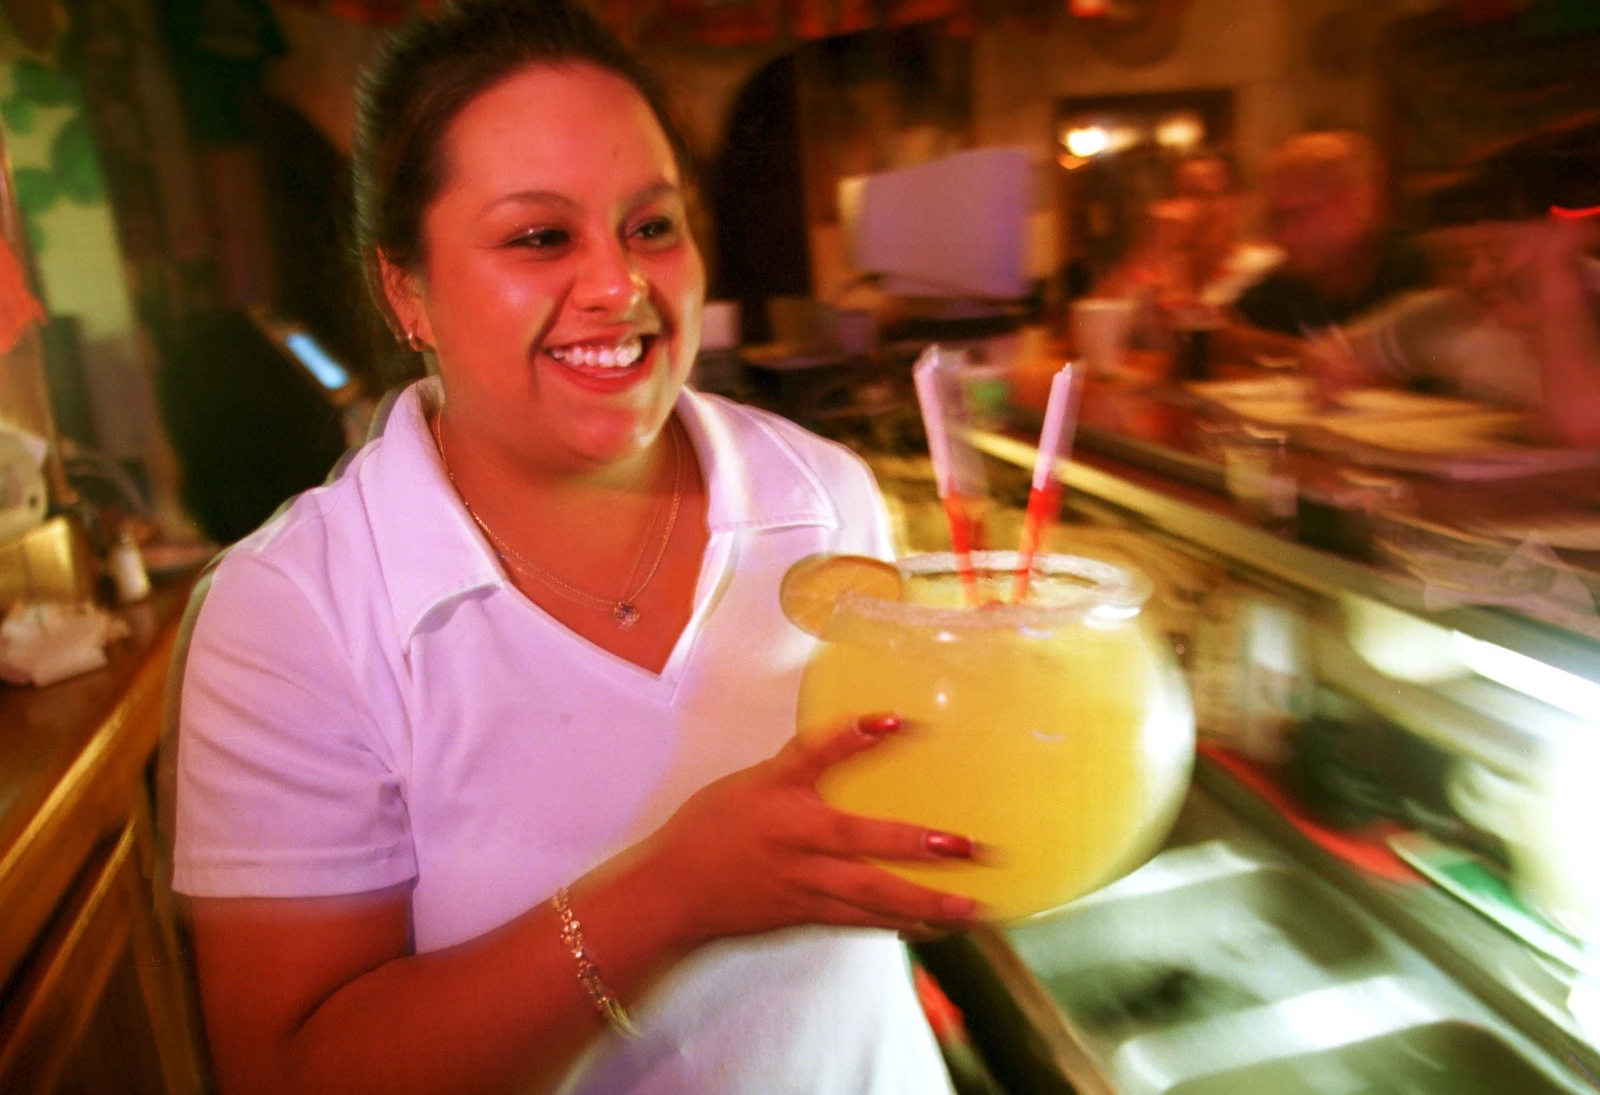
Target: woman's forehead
(556,126)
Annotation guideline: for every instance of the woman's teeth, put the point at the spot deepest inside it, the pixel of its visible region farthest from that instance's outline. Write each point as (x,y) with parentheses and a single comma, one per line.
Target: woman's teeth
(600,357)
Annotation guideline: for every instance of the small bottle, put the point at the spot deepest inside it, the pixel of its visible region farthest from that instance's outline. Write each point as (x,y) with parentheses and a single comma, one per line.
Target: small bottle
(1259,477)
(126,566)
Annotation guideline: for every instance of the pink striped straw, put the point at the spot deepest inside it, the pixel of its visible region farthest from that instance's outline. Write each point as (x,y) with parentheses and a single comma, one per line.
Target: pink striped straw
(937,389)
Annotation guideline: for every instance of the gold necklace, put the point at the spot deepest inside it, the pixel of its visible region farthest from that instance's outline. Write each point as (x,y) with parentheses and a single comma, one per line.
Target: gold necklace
(624,611)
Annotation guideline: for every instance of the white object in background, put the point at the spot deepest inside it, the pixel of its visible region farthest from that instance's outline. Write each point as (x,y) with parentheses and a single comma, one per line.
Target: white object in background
(1102,329)
(955,226)
(1398,644)
(1549,819)
(1277,679)
(1584,1002)
(1252,672)
(44,642)
(1258,475)
(1531,677)
(23,498)
(126,564)
(719,325)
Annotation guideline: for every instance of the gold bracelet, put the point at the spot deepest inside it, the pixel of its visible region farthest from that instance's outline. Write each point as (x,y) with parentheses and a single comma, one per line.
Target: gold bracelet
(609,1007)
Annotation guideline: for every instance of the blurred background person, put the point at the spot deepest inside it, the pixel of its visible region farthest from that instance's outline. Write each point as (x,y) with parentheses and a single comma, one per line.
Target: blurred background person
(1224,264)
(1520,331)
(1190,252)
(1325,209)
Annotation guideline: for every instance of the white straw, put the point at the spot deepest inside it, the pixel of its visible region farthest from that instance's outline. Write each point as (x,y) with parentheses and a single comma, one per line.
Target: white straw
(1060,416)
(925,375)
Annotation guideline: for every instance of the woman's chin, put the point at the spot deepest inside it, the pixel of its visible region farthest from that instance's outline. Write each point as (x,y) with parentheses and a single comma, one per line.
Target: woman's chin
(606,440)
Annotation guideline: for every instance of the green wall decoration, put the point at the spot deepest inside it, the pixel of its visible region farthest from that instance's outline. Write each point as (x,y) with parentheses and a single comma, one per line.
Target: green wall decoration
(72,173)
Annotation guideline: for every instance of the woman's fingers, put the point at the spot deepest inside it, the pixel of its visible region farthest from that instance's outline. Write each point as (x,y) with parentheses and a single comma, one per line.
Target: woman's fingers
(835,833)
(805,758)
(767,852)
(881,894)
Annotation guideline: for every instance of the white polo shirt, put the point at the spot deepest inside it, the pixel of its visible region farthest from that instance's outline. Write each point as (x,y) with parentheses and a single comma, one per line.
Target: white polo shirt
(368,700)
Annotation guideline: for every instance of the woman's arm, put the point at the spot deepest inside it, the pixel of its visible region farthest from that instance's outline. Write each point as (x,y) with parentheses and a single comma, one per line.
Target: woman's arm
(321,995)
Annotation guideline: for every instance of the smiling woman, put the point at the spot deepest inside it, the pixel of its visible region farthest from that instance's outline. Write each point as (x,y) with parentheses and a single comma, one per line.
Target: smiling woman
(548,252)
(486,770)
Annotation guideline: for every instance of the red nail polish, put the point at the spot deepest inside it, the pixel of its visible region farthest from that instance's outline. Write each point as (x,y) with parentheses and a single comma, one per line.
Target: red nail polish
(875,726)
(948,845)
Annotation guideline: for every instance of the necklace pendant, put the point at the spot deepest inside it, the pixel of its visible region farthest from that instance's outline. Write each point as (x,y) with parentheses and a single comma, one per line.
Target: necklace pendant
(625,615)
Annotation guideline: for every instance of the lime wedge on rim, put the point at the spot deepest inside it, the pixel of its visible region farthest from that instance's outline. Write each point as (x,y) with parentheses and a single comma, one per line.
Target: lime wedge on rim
(812,587)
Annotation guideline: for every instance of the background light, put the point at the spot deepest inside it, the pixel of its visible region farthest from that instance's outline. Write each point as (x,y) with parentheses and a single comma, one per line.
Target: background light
(1531,677)
(1180,131)
(1089,141)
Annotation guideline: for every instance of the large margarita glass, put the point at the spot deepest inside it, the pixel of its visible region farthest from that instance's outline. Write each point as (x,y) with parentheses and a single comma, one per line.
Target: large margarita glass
(1057,733)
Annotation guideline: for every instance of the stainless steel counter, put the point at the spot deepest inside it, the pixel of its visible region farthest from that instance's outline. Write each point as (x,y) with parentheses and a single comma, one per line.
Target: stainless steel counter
(1246,958)
(1243,959)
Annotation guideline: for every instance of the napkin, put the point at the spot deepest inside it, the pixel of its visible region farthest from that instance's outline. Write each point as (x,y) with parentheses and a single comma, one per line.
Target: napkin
(42,642)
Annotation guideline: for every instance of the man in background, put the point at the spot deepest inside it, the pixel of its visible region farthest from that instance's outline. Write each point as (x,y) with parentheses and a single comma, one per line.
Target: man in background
(1325,209)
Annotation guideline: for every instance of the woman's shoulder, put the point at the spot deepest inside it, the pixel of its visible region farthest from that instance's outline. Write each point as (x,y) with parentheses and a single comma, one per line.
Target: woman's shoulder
(779,458)
(310,528)
(762,433)
(335,530)
(317,562)
(768,471)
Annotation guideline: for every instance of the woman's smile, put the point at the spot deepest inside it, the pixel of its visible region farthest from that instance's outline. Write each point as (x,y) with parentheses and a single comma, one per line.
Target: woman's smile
(605,365)
(591,357)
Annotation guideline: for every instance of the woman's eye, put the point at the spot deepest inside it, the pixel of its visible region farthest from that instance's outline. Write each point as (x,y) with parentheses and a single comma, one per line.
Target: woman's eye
(542,239)
(656,229)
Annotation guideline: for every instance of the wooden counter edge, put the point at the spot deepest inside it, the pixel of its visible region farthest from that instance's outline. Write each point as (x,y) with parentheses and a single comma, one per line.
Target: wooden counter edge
(91,800)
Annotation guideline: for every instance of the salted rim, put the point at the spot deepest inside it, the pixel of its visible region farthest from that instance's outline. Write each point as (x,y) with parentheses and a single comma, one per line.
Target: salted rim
(1109,589)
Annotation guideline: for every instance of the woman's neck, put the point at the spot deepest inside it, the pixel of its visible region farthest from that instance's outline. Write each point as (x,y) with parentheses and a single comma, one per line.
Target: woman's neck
(600,510)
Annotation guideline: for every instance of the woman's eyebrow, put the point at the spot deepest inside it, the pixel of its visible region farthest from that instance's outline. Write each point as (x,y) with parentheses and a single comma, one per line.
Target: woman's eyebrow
(531,197)
(642,196)
(655,190)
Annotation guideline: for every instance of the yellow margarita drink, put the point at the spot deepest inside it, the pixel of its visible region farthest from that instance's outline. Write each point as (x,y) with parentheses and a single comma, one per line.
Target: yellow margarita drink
(1056,733)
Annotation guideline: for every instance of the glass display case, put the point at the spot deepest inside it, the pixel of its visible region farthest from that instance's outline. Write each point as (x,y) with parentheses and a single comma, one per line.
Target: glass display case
(1381,867)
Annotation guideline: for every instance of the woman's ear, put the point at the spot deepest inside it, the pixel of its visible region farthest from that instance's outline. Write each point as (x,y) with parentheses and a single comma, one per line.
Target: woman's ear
(402,290)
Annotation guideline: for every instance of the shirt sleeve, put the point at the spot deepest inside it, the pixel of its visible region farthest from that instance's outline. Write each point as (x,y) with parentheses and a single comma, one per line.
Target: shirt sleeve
(1414,336)
(283,785)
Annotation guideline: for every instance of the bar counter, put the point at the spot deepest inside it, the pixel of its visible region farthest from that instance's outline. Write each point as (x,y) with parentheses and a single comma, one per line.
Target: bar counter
(1493,1007)
(95,995)
(1149,447)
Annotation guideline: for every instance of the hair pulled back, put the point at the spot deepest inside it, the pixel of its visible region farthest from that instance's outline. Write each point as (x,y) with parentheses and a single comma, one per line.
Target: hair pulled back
(427,72)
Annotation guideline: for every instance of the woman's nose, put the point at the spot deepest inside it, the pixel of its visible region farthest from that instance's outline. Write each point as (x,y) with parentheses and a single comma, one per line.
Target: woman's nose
(609,280)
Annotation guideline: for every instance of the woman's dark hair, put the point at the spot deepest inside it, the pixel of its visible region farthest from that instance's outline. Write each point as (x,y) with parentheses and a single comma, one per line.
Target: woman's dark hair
(427,72)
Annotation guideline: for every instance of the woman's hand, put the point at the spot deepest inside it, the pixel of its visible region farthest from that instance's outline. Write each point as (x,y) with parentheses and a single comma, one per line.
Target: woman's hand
(759,850)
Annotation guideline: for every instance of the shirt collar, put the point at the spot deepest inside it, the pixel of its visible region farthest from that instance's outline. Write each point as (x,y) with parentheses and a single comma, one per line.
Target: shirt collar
(431,552)
(754,477)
